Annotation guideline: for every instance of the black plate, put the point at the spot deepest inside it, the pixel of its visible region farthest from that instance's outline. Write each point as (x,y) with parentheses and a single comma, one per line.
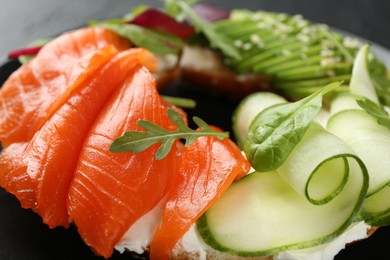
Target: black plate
(23,236)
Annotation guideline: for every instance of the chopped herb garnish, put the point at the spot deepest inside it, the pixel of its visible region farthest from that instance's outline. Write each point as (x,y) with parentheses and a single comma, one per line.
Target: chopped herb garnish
(138,141)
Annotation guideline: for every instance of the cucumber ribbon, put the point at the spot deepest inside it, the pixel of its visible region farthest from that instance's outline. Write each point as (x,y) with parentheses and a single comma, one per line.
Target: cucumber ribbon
(309,191)
(367,137)
(312,183)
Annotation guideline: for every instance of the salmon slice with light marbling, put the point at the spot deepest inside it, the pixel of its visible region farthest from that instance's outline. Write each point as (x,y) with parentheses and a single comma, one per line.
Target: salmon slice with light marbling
(34,91)
(14,177)
(53,153)
(111,191)
(13,164)
(208,168)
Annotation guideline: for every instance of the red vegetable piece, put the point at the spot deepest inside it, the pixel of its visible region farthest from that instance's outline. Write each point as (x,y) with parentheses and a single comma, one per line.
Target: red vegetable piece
(155,19)
(211,13)
(25,51)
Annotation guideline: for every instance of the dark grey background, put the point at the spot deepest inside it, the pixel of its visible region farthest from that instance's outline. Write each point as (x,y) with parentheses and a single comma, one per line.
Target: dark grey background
(22,236)
(23,21)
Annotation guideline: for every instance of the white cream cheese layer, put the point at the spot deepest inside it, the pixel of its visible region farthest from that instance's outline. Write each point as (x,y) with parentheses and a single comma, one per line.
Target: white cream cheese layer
(327,251)
(193,244)
(137,238)
(139,235)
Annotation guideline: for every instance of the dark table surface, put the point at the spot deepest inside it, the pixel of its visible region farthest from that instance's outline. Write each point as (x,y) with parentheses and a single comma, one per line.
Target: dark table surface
(22,236)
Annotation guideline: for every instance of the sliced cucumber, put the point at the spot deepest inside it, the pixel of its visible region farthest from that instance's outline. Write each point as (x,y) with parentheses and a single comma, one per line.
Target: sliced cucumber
(369,139)
(247,110)
(263,214)
(342,102)
(360,81)
(371,142)
(376,208)
(319,152)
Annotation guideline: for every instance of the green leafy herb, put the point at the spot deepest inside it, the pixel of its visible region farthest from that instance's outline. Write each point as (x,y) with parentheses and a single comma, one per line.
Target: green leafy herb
(275,131)
(381,83)
(138,141)
(380,79)
(216,39)
(26,58)
(113,21)
(135,12)
(157,42)
(376,111)
(40,42)
(171,8)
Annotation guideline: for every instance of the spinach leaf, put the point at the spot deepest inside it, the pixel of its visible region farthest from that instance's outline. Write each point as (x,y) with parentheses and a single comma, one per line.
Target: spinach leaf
(275,131)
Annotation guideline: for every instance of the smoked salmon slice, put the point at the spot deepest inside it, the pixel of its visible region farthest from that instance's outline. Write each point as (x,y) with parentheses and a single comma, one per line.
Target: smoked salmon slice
(14,177)
(52,154)
(61,112)
(34,91)
(111,191)
(208,168)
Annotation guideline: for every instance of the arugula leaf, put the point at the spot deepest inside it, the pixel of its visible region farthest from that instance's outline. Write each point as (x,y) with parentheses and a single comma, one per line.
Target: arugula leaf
(216,39)
(376,111)
(275,131)
(157,42)
(138,141)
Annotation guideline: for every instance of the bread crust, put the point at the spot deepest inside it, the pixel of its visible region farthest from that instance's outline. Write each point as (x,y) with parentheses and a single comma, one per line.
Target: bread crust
(204,69)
